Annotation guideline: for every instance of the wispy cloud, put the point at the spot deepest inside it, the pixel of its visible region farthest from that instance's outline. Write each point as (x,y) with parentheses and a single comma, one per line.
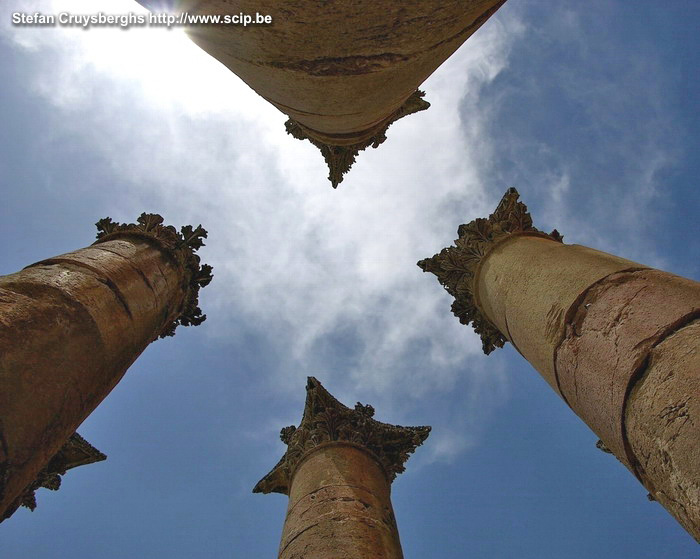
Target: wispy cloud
(591,150)
(328,278)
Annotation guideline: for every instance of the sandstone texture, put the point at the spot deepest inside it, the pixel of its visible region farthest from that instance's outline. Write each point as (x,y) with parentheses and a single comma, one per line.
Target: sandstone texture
(340,69)
(609,336)
(70,326)
(69,329)
(618,341)
(337,471)
(526,285)
(339,506)
(613,339)
(662,422)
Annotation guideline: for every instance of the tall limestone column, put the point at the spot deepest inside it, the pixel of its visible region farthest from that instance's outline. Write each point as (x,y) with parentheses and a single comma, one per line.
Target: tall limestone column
(70,326)
(342,71)
(618,341)
(337,471)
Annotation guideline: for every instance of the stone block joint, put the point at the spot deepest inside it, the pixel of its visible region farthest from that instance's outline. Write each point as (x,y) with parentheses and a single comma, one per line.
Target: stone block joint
(70,327)
(617,340)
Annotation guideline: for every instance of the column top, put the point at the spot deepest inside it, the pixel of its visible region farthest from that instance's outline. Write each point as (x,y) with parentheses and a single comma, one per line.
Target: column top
(456,266)
(181,246)
(326,420)
(340,151)
(75,452)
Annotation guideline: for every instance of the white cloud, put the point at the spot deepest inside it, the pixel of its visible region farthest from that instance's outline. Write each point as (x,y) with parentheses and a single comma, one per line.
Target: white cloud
(329,277)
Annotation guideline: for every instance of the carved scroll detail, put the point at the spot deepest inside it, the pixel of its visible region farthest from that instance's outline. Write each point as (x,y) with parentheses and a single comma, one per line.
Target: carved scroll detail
(182,246)
(340,158)
(327,420)
(456,266)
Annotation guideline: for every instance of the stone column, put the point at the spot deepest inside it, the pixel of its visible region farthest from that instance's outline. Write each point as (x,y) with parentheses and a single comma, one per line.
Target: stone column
(70,326)
(337,471)
(342,71)
(618,341)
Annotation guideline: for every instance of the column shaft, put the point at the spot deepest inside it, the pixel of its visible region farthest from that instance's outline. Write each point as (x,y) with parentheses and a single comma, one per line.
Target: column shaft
(614,339)
(70,326)
(527,284)
(662,425)
(340,506)
(339,70)
(618,341)
(342,71)
(337,471)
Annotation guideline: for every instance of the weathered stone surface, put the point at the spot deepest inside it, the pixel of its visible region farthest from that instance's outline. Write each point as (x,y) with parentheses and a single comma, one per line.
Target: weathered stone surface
(342,68)
(70,326)
(340,506)
(608,339)
(53,373)
(527,285)
(496,271)
(326,420)
(345,70)
(662,423)
(457,267)
(337,471)
(592,324)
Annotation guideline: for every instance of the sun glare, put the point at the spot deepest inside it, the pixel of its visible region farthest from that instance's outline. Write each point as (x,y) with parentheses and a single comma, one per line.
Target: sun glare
(165,64)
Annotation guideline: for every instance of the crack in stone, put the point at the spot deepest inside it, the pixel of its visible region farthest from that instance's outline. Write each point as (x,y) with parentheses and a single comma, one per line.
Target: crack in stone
(343,66)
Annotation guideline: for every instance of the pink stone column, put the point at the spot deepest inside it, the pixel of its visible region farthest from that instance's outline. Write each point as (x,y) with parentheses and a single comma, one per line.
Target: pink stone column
(618,341)
(342,71)
(337,471)
(70,326)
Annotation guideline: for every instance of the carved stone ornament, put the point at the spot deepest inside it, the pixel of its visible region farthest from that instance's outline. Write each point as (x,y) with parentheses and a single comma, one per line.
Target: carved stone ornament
(455,266)
(182,246)
(340,158)
(327,420)
(75,452)
(600,445)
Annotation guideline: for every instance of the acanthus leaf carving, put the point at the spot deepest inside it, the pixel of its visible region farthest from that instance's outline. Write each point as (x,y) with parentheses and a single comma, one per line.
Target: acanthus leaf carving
(340,158)
(75,452)
(182,246)
(326,420)
(455,266)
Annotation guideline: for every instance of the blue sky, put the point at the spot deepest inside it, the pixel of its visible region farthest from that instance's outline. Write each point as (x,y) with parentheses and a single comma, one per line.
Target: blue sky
(589,109)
